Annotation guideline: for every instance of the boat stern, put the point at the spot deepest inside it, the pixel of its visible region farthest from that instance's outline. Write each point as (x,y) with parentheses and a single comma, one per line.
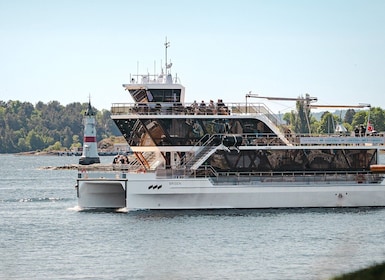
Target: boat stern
(101,193)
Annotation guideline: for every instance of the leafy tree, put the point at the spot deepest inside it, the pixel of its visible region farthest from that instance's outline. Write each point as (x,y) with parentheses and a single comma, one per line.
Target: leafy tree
(301,121)
(35,141)
(328,123)
(349,115)
(360,118)
(106,124)
(377,118)
(55,147)
(75,142)
(23,145)
(287,118)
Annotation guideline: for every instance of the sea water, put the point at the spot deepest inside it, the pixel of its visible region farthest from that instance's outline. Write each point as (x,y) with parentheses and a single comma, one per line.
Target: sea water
(44,236)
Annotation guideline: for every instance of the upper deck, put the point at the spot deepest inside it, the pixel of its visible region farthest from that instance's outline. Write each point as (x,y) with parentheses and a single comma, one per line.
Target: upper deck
(240,111)
(192,110)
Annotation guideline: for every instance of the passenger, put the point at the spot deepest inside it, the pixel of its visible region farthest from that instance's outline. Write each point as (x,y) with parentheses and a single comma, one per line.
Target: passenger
(221,108)
(116,159)
(356,131)
(195,108)
(120,159)
(220,103)
(202,108)
(212,107)
(123,159)
(363,131)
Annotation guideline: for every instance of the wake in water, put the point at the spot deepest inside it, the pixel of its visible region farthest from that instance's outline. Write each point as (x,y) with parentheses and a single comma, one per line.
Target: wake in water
(79,209)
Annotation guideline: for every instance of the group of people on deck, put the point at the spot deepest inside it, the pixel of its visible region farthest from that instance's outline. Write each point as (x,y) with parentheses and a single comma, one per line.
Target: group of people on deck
(211,109)
(361,131)
(120,159)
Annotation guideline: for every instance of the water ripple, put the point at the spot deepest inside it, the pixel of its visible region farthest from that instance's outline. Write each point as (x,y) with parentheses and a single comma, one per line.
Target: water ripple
(35,199)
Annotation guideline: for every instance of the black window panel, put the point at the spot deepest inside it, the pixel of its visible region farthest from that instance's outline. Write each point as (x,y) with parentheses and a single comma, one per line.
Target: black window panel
(166,95)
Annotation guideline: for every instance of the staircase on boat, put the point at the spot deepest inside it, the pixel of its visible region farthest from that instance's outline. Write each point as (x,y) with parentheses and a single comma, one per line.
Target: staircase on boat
(206,149)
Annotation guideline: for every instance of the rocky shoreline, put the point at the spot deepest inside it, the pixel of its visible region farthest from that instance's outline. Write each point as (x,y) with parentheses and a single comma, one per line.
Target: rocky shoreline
(91,167)
(62,153)
(64,167)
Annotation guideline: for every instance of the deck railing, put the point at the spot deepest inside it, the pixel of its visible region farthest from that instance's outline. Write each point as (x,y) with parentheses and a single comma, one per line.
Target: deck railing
(170,108)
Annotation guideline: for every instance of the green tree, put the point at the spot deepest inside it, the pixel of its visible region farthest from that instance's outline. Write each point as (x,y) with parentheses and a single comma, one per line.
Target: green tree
(349,115)
(75,142)
(287,118)
(55,147)
(377,118)
(23,145)
(303,118)
(360,118)
(35,141)
(328,123)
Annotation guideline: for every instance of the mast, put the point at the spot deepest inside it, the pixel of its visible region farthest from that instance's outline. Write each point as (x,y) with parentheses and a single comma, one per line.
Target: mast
(167,45)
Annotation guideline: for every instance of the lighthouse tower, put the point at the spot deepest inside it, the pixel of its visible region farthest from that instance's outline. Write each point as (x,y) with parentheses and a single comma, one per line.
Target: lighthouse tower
(90,149)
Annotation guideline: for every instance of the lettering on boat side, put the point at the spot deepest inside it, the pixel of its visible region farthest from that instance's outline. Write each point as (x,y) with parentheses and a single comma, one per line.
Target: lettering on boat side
(175,183)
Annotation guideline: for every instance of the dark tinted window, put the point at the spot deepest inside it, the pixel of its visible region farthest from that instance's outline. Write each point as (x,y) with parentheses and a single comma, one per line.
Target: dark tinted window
(165,95)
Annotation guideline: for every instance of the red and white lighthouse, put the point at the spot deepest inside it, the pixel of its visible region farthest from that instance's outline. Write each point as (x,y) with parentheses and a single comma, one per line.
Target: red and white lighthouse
(90,149)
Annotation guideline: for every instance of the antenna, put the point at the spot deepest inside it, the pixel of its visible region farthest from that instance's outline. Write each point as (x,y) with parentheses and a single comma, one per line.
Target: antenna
(137,70)
(167,45)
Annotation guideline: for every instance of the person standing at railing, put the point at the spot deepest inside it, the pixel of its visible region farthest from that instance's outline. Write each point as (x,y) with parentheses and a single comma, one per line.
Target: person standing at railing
(195,108)
(356,131)
(363,131)
(202,108)
(212,108)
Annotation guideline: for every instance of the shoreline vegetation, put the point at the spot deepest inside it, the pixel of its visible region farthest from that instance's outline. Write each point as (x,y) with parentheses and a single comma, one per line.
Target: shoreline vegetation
(374,272)
(105,148)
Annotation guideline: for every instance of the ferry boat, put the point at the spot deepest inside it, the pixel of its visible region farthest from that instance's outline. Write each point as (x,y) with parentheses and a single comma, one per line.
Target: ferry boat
(225,155)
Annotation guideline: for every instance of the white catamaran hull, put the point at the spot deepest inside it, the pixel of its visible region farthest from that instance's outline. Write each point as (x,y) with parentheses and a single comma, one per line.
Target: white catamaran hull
(144,191)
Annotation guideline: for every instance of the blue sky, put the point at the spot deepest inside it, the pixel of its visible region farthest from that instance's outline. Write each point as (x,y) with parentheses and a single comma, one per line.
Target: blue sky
(68,50)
